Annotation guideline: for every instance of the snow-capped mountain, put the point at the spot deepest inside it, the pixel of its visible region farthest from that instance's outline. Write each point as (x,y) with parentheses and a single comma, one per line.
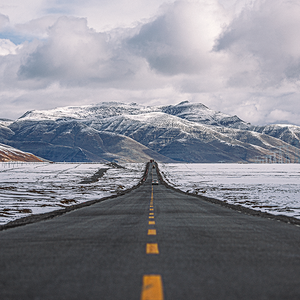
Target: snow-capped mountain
(88,112)
(5,122)
(285,132)
(192,112)
(113,131)
(201,114)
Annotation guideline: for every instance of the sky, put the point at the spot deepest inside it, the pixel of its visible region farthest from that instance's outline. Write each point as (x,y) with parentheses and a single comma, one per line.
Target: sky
(241,57)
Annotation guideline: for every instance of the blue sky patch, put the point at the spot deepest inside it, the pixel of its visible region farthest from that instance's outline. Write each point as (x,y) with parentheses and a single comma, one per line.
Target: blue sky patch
(15,37)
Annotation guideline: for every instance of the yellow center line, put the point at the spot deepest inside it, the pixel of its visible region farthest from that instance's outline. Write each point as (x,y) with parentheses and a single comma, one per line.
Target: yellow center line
(151,201)
(151,217)
(151,231)
(152,288)
(152,248)
(151,214)
(151,223)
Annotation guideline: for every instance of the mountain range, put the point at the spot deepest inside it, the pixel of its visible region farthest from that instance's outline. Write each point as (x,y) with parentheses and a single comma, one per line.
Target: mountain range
(112,131)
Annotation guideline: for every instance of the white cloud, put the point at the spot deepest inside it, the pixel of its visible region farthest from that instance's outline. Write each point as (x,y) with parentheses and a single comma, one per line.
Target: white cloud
(181,38)
(7,47)
(4,21)
(71,51)
(281,116)
(20,11)
(101,14)
(74,54)
(36,28)
(108,14)
(240,57)
(265,39)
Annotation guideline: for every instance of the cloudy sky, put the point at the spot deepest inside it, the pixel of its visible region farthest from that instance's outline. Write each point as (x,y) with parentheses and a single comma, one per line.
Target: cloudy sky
(237,56)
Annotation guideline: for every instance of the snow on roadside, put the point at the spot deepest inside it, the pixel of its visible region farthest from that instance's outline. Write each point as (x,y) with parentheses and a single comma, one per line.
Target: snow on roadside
(34,188)
(273,188)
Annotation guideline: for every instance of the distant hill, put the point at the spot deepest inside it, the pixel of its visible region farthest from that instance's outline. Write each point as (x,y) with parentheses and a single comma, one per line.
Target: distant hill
(112,131)
(8,153)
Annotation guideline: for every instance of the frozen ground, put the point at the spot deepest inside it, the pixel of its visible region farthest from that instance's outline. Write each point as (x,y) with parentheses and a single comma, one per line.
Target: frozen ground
(33,188)
(273,188)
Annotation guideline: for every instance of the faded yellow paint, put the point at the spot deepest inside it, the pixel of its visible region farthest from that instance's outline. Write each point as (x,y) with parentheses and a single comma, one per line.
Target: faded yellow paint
(152,195)
(152,288)
(151,231)
(151,223)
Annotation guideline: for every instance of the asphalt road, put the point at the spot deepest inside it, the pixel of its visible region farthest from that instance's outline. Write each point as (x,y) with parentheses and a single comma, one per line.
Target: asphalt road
(120,248)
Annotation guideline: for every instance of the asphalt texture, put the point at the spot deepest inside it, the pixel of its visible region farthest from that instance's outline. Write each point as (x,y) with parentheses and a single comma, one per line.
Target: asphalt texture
(206,251)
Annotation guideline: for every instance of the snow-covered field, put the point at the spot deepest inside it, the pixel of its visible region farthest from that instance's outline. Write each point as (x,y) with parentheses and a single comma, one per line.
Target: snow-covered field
(33,188)
(273,188)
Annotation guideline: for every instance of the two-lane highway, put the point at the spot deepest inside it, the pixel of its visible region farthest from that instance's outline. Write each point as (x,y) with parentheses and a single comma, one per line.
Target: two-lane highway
(152,243)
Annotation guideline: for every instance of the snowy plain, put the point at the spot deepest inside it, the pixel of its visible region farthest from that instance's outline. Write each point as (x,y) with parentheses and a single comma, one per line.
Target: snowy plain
(272,188)
(34,188)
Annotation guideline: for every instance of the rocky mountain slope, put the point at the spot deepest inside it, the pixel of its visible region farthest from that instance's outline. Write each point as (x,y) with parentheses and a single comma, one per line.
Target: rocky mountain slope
(199,113)
(285,132)
(130,132)
(8,153)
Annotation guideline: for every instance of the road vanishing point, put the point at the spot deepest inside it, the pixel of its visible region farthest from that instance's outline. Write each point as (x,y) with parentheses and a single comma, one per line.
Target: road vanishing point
(152,243)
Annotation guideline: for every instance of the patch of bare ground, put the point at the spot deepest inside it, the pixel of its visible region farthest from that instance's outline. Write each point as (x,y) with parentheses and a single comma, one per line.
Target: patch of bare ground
(95,177)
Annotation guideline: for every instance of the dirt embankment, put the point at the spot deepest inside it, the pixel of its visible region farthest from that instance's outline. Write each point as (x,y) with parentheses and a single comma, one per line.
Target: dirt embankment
(95,177)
